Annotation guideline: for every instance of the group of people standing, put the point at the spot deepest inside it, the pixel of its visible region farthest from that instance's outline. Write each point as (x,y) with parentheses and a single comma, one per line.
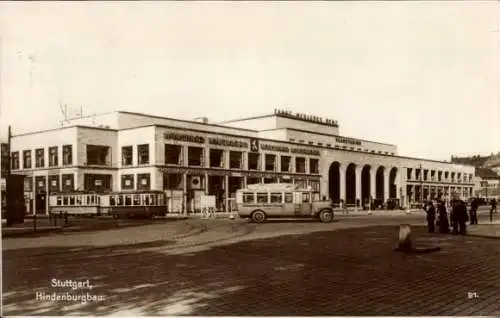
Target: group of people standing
(457,211)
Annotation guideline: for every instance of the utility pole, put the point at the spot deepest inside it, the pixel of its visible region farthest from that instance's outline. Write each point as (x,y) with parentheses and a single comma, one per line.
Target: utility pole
(421,184)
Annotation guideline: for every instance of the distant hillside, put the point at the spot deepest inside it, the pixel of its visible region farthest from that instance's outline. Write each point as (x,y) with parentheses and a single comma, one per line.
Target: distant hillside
(476,161)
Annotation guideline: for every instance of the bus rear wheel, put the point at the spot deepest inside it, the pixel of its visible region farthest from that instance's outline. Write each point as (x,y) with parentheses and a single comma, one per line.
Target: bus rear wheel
(258,216)
(326,216)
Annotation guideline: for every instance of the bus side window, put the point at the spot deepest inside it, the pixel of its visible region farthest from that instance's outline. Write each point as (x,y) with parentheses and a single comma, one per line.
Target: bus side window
(276,197)
(248,197)
(128,200)
(262,197)
(137,199)
(146,199)
(65,200)
(288,197)
(119,200)
(59,200)
(71,200)
(112,200)
(305,197)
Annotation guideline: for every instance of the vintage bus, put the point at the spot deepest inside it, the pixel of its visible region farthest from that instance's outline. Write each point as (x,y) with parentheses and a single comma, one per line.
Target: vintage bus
(75,203)
(259,202)
(137,204)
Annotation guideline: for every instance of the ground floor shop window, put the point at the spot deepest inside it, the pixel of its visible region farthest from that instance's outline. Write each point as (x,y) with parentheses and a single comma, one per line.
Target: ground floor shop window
(253,180)
(143,181)
(195,156)
(216,158)
(300,165)
(54,183)
(269,180)
(97,182)
(127,182)
(172,181)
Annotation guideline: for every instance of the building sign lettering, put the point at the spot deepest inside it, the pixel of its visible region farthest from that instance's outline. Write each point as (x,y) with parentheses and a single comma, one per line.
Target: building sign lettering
(312,152)
(183,137)
(306,117)
(344,140)
(227,143)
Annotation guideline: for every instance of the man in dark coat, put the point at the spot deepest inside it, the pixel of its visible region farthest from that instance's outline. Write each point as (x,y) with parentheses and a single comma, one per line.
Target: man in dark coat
(444,224)
(453,216)
(493,208)
(431,216)
(473,211)
(460,215)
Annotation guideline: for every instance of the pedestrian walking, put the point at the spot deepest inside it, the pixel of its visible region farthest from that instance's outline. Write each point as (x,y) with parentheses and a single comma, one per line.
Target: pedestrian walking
(493,208)
(473,211)
(430,210)
(444,224)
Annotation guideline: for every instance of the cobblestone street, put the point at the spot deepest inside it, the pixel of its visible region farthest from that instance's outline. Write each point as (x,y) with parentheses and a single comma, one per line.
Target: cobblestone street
(350,271)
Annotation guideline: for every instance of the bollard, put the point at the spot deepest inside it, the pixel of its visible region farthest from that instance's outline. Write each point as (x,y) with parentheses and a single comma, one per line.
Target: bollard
(405,242)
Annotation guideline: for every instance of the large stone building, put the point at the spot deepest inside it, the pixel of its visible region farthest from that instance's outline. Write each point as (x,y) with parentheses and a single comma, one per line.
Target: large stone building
(124,151)
(487,174)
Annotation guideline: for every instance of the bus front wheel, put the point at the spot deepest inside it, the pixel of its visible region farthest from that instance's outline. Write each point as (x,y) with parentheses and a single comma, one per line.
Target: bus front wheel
(258,216)
(326,216)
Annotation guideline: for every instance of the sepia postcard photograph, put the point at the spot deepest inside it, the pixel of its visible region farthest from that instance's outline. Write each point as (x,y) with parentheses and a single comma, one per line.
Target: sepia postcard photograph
(250,158)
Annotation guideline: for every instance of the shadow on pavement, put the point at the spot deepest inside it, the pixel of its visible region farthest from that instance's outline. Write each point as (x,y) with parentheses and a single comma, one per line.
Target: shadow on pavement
(344,272)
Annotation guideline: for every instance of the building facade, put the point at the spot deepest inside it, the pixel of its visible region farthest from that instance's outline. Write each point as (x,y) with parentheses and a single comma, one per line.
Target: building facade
(124,151)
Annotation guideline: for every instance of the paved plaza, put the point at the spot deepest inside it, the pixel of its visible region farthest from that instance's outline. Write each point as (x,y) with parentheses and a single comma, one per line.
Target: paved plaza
(223,267)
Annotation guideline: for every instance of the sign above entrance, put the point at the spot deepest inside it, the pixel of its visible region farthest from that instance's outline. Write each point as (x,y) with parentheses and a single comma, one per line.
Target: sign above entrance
(306,117)
(227,142)
(184,137)
(345,140)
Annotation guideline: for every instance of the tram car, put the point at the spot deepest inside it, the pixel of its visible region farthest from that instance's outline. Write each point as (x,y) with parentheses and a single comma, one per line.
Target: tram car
(144,204)
(75,203)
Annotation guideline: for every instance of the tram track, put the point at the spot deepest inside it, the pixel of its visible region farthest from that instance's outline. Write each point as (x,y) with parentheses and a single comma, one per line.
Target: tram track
(193,237)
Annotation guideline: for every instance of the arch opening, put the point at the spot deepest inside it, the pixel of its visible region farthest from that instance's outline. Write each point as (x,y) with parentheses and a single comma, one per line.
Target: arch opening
(350,184)
(365,184)
(334,182)
(393,188)
(379,181)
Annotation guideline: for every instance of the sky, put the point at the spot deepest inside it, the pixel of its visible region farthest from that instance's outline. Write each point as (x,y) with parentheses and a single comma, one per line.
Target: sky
(423,76)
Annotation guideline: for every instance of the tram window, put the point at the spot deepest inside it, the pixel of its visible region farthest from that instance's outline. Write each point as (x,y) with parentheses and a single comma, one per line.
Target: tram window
(65,200)
(71,200)
(262,198)
(119,200)
(146,200)
(128,200)
(276,197)
(98,200)
(112,200)
(248,197)
(153,200)
(305,197)
(137,199)
(288,197)
(78,200)
(59,200)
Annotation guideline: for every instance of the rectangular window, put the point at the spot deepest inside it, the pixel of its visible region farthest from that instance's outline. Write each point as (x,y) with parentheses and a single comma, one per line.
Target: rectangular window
(27,159)
(128,200)
(127,181)
(253,161)
(98,155)
(288,197)
(53,156)
(300,165)
(305,197)
(313,165)
(67,155)
(262,198)
(143,154)
(276,197)
(39,158)
(67,182)
(28,184)
(143,181)
(248,197)
(286,163)
(14,160)
(173,154)
(408,173)
(127,156)
(270,162)
(195,156)
(216,158)
(314,185)
(235,160)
